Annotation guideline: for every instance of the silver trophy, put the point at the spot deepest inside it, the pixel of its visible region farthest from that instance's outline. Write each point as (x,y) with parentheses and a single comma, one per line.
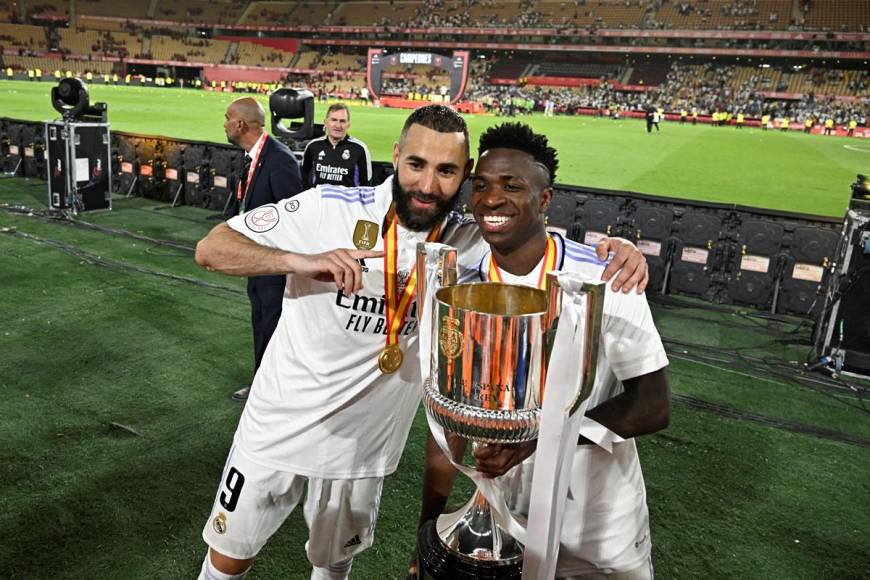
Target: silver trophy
(490,344)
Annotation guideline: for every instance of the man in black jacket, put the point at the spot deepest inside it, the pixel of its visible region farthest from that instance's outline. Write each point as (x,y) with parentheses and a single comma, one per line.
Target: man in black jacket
(337,158)
(270,174)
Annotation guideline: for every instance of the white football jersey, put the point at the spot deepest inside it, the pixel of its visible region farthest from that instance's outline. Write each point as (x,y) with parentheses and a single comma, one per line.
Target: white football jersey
(615,520)
(319,406)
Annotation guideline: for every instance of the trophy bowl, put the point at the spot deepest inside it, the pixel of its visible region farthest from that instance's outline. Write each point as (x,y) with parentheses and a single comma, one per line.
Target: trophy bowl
(488,370)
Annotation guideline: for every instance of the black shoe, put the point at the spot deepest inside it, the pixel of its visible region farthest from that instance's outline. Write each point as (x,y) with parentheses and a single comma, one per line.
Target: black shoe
(241,394)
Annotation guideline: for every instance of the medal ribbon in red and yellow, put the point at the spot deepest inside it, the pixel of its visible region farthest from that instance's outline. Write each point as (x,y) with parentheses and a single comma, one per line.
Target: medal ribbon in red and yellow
(391,357)
(494,274)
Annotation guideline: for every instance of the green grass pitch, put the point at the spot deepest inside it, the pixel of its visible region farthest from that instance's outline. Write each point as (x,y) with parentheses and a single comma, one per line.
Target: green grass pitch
(118,357)
(794,172)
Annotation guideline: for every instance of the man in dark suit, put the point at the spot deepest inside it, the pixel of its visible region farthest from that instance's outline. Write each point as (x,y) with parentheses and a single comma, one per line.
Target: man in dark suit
(270,174)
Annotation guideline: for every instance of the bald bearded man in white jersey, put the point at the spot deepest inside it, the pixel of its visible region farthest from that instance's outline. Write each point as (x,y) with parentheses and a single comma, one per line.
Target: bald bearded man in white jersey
(605,534)
(334,398)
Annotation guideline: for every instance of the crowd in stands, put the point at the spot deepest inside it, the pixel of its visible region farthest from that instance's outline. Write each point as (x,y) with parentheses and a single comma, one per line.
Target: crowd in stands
(704,88)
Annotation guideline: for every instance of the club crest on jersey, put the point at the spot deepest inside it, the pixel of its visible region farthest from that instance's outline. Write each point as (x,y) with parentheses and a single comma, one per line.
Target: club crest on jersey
(321,155)
(365,235)
(262,219)
(345,154)
(220,523)
(292,205)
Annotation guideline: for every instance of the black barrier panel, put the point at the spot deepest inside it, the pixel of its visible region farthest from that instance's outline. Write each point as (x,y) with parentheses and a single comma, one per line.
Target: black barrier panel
(811,251)
(173,170)
(595,218)
(562,208)
(755,262)
(33,151)
(223,162)
(652,226)
(150,175)
(196,172)
(13,149)
(124,162)
(697,254)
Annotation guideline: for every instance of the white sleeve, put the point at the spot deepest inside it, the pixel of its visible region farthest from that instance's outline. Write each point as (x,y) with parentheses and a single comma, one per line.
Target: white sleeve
(629,336)
(289,225)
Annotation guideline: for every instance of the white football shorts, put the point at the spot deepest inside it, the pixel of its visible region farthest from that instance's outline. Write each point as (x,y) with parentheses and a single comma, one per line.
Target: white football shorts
(253,501)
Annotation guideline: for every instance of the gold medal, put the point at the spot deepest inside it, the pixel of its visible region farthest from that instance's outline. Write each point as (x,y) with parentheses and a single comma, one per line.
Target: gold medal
(397,302)
(390,359)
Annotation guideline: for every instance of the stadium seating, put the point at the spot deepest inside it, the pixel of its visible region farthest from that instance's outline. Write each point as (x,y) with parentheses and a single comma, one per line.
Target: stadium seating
(189,49)
(287,13)
(208,11)
(22,36)
(253,54)
(49,65)
(837,15)
(112,8)
(6,10)
(98,42)
(48,8)
(607,14)
(382,13)
(726,14)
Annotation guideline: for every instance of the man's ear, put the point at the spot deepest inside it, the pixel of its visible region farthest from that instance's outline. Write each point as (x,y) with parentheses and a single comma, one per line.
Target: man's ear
(544,199)
(469,165)
(396,156)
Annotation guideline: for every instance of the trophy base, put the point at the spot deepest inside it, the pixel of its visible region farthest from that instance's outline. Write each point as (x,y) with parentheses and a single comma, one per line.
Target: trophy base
(435,561)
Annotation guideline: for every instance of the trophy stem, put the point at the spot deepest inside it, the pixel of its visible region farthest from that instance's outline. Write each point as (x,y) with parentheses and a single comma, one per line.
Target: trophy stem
(473,532)
(468,544)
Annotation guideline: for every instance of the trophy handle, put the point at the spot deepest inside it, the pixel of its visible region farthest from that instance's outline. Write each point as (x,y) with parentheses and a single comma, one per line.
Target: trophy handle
(594,294)
(445,261)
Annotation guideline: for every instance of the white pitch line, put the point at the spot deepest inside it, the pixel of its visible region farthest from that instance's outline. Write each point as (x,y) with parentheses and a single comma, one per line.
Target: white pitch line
(859,149)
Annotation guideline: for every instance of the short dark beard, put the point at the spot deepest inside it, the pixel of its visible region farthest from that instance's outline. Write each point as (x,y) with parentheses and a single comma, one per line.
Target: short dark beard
(415,221)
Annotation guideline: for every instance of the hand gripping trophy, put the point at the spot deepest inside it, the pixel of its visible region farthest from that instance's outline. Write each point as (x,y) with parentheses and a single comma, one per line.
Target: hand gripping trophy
(503,364)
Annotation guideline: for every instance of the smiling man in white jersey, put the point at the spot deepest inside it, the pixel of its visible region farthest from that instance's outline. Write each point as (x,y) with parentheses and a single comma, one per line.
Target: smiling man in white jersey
(606,526)
(333,400)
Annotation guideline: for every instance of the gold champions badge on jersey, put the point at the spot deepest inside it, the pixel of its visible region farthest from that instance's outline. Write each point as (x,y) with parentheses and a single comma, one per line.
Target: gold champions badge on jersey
(365,235)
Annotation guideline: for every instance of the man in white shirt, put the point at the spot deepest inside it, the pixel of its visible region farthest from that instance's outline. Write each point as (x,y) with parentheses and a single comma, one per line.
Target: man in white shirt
(606,528)
(333,401)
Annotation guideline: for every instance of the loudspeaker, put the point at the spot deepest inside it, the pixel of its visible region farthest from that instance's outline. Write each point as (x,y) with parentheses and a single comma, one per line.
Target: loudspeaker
(844,331)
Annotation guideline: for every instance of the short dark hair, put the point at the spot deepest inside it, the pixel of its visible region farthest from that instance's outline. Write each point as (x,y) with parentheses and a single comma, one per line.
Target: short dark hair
(438,118)
(338,107)
(520,136)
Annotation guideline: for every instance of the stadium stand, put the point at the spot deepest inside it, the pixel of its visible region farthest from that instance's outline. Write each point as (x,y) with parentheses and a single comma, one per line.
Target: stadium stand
(48,9)
(287,13)
(49,65)
(725,14)
(206,11)
(373,13)
(252,54)
(22,37)
(98,42)
(112,8)
(835,15)
(188,49)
